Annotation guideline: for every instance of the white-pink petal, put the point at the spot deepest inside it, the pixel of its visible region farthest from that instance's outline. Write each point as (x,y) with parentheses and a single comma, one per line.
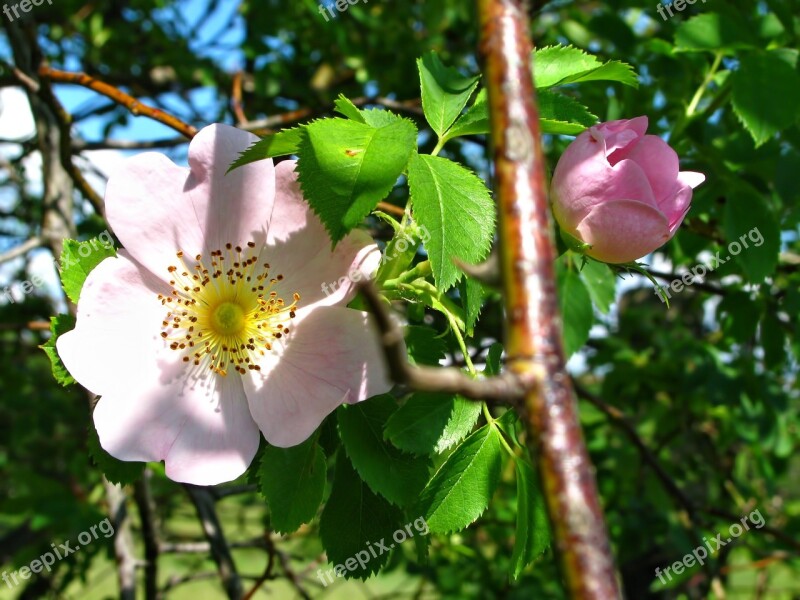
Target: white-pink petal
(157,208)
(200,427)
(299,248)
(116,338)
(332,357)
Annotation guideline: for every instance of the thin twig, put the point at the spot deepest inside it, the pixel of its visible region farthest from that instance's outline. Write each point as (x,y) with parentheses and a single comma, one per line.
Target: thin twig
(701,285)
(23,248)
(237,105)
(147,516)
(132,104)
(203,501)
(501,389)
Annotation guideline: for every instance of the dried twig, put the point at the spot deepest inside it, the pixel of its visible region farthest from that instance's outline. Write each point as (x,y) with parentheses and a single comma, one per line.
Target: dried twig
(147,516)
(203,501)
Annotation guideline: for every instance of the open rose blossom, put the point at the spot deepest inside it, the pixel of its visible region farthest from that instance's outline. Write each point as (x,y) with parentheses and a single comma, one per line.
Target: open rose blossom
(211,324)
(621,191)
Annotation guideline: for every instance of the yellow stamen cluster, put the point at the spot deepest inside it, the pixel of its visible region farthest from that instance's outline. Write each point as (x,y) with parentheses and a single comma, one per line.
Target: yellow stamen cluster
(224,311)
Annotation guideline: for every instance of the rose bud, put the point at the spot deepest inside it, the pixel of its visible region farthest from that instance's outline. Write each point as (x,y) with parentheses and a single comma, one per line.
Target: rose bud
(620,191)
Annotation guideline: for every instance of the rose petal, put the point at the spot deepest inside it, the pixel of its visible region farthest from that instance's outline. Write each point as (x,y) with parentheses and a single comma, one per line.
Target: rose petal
(623,230)
(300,249)
(691,178)
(157,208)
(659,163)
(201,428)
(117,333)
(333,356)
(150,408)
(583,178)
(619,135)
(676,207)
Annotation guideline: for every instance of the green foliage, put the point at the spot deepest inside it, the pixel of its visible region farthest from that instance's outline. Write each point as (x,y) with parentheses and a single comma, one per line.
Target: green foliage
(59,324)
(766,93)
(455,206)
(560,65)
(431,422)
(600,283)
(463,486)
(474,121)
(77,261)
(277,144)
(388,471)
(712,32)
(533,529)
(575,305)
(293,481)
(424,345)
(445,92)
(563,115)
(353,520)
(347,167)
(750,223)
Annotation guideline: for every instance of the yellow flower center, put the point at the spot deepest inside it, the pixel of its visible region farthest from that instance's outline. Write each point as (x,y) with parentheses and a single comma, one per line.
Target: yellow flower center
(225,311)
(228,319)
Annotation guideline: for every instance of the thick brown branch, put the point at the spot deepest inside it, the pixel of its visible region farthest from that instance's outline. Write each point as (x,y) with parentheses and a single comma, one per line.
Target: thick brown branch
(534,347)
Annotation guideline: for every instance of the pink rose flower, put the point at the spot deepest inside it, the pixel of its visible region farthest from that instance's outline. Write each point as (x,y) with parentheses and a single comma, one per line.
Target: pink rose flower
(212,324)
(621,191)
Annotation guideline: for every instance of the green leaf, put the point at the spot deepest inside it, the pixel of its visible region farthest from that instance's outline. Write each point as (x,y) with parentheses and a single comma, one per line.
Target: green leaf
(575,305)
(559,65)
(750,223)
(601,284)
(293,481)
(346,168)
(445,92)
(712,32)
(424,345)
(344,106)
(766,93)
(455,206)
(353,522)
(278,144)
(472,296)
(773,340)
(473,122)
(493,358)
(395,475)
(377,117)
(533,530)
(463,486)
(116,471)
(77,261)
(560,114)
(59,324)
(431,422)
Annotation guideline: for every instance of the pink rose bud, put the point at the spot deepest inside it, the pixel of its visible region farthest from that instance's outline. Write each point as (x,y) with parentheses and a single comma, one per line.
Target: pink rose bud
(620,191)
